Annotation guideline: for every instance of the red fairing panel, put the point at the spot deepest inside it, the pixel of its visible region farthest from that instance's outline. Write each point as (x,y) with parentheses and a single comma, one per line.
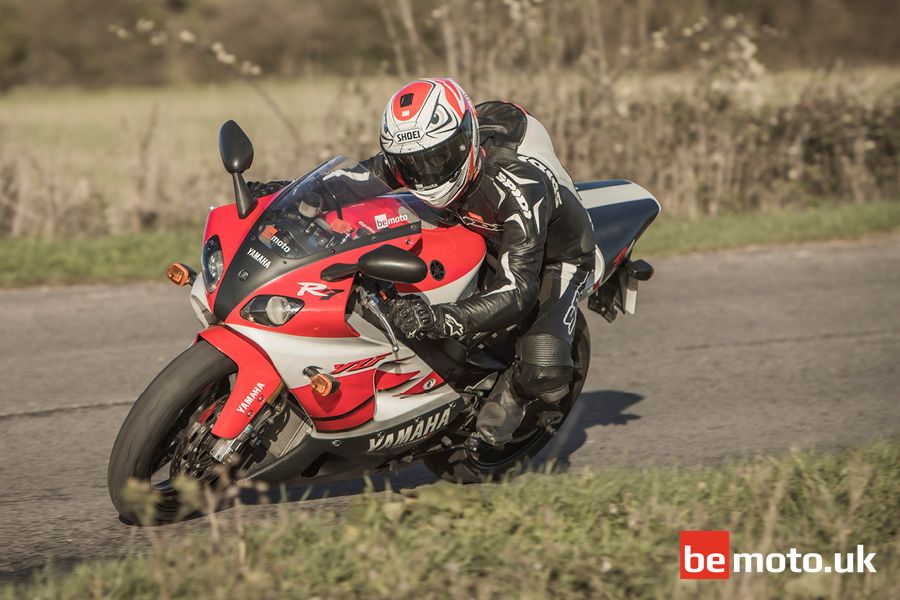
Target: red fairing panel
(385,380)
(324,312)
(458,250)
(353,390)
(256,382)
(363,414)
(231,229)
(354,401)
(428,383)
(350,406)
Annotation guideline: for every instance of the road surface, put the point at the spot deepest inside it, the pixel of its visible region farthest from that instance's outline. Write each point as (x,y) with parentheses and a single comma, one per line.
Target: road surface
(731,354)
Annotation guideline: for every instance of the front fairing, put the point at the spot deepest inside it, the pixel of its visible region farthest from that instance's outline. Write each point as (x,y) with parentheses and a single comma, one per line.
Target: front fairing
(278,251)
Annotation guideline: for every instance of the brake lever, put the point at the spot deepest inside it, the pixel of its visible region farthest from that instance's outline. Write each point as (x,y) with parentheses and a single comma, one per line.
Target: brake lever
(371,302)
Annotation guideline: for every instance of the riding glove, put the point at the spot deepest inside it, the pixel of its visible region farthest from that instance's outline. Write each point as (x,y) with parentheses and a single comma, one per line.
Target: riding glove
(415,319)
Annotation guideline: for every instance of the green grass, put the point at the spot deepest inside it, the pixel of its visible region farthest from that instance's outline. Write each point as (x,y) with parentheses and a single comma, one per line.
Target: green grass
(93,260)
(146,256)
(598,534)
(826,222)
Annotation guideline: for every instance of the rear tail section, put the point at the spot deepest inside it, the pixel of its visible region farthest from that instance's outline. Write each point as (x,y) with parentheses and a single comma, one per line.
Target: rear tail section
(620,212)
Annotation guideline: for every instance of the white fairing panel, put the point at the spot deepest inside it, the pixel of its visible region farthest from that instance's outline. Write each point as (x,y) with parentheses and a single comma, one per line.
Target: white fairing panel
(613,192)
(454,291)
(291,354)
(198,300)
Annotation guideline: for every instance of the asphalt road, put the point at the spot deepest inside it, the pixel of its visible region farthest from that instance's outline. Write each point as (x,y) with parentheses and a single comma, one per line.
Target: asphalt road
(731,353)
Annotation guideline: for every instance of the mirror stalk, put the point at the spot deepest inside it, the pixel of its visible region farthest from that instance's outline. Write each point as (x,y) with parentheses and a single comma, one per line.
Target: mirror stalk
(242,196)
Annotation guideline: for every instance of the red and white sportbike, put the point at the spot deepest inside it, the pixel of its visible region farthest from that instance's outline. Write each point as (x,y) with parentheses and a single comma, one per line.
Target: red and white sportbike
(297,375)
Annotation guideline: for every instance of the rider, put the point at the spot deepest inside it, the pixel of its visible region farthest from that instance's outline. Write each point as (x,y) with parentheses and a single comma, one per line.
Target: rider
(493,169)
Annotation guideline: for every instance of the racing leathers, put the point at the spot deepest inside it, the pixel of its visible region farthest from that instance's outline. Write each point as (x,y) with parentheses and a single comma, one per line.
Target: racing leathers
(524,204)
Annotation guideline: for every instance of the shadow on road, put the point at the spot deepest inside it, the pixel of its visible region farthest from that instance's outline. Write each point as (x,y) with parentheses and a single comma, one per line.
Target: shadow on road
(597,408)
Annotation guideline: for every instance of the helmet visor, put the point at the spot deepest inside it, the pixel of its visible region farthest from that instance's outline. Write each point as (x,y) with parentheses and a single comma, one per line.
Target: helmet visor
(433,167)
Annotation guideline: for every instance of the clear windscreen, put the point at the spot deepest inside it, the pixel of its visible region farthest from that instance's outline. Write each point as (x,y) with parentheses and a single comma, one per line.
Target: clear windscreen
(350,203)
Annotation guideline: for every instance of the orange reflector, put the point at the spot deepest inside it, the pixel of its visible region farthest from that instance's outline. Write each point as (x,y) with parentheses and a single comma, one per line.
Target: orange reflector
(178,274)
(322,384)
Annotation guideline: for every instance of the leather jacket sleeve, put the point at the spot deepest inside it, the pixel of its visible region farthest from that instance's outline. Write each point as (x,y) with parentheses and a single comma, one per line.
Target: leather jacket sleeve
(524,206)
(260,189)
(378,166)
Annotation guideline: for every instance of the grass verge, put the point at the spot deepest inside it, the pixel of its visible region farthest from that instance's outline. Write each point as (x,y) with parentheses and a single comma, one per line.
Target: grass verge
(146,256)
(610,534)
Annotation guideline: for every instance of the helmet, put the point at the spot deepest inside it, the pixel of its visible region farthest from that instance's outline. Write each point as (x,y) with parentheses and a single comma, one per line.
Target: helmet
(429,135)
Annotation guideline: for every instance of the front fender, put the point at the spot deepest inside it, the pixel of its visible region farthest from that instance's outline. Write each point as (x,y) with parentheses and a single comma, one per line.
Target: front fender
(257,380)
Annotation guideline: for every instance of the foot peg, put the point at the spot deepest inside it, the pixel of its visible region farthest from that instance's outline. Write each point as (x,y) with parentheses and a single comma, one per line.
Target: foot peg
(550,421)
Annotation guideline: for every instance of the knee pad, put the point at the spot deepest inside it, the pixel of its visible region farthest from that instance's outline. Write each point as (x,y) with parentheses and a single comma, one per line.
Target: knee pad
(547,383)
(544,349)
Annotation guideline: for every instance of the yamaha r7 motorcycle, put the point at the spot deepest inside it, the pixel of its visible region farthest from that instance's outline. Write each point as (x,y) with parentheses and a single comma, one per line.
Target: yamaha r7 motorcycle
(297,375)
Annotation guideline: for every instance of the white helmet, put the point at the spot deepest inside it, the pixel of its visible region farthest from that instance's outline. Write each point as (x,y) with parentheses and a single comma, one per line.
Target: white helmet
(429,135)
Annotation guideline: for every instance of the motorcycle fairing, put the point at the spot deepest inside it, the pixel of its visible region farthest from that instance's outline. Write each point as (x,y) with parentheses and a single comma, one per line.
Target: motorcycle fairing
(324,312)
(365,448)
(453,255)
(224,222)
(256,382)
(371,378)
(234,290)
(620,211)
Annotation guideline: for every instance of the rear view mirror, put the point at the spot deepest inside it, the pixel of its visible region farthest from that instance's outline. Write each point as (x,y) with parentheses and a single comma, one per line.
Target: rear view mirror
(387,263)
(237,156)
(235,148)
(390,263)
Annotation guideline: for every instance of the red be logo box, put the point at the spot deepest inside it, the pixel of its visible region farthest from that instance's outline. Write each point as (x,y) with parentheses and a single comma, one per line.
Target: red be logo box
(705,554)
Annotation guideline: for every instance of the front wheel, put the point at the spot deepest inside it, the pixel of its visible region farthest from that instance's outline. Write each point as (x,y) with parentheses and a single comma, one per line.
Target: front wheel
(164,423)
(465,466)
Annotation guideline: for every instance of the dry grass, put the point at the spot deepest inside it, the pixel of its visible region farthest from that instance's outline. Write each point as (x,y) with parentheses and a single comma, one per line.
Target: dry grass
(586,534)
(721,135)
(128,160)
(718,134)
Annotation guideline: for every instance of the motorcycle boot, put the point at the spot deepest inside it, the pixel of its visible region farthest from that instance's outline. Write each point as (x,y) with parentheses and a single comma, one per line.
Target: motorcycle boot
(503,412)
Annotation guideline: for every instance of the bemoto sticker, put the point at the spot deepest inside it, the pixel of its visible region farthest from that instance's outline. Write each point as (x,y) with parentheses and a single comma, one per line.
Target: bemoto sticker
(383,221)
(270,238)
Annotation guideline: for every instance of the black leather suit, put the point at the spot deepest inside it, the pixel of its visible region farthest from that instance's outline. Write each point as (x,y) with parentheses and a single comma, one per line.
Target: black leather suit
(525,206)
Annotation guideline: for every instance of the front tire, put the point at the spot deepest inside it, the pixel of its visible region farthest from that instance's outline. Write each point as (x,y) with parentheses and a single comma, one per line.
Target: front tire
(150,431)
(465,466)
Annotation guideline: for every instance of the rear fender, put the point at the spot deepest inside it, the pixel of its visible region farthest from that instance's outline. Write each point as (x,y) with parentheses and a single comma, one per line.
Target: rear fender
(256,383)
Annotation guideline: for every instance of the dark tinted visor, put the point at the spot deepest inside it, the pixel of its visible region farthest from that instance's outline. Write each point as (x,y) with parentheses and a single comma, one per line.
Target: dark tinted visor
(435,166)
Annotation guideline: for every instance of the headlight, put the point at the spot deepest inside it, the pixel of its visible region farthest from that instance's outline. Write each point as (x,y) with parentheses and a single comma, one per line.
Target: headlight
(213,263)
(272,311)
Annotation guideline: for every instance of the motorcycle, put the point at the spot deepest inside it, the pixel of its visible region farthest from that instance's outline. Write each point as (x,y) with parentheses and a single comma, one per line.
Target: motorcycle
(298,376)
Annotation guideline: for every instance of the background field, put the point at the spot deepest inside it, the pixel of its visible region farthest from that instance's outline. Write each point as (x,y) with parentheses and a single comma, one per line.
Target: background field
(708,107)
